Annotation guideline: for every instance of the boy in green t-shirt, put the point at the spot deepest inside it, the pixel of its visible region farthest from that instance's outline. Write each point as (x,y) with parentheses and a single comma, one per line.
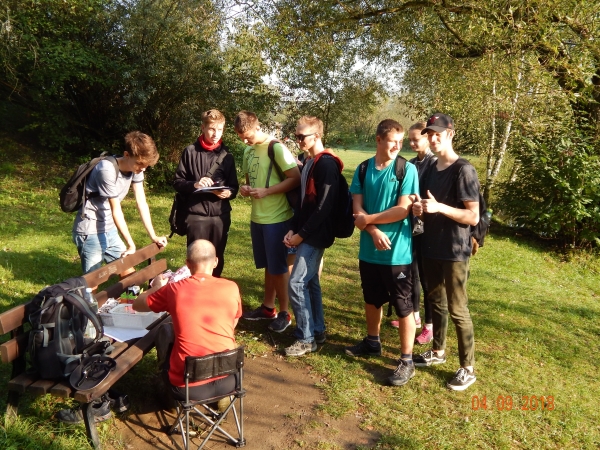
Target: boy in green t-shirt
(382,212)
(270,217)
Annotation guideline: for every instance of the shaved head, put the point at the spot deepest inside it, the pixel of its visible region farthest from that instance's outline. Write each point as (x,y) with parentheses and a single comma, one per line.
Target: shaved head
(201,254)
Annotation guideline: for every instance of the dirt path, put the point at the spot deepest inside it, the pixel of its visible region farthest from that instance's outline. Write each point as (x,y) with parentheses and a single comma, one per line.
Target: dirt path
(280,413)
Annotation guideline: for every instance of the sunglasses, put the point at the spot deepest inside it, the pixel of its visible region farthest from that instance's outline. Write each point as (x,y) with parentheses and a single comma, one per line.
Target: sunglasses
(301,137)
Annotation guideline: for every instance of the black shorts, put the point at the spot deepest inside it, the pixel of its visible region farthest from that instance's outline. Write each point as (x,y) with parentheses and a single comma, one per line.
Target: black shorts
(383,284)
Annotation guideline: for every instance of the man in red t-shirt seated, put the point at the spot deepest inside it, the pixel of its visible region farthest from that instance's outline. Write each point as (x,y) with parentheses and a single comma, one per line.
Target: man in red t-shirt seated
(205,311)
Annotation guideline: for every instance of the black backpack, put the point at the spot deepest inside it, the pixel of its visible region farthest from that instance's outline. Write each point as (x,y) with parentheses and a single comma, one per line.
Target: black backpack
(343,216)
(58,316)
(73,193)
(293,196)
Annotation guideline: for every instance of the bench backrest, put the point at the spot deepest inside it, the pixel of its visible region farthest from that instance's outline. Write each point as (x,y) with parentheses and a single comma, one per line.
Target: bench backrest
(14,318)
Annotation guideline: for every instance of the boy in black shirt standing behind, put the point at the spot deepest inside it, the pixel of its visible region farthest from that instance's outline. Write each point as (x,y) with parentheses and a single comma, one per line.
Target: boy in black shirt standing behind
(449,206)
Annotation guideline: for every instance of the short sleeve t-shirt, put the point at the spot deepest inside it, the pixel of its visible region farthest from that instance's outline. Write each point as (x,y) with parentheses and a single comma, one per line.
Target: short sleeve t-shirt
(96,216)
(203,309)
(272,208)
(444,238)
(381,191)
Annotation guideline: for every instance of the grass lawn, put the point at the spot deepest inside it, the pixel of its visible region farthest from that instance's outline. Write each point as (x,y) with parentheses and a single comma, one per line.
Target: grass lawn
(535,316)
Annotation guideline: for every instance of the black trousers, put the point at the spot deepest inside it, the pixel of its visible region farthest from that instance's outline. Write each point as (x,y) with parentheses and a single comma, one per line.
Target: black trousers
(213,229)
(419,281)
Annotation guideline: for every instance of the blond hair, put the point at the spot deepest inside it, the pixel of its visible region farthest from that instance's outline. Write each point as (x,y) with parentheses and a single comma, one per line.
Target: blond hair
(312,122)
(212,115)
(244,121)
(141,147)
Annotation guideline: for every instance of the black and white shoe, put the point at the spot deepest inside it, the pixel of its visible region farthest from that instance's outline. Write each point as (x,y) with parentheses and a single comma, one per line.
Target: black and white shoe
(462,380)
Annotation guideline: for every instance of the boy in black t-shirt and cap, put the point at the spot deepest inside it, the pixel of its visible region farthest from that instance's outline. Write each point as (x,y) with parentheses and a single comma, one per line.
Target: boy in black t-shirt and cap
(449,206)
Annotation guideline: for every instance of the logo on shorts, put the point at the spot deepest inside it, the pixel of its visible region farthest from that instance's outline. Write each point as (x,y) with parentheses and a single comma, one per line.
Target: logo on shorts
(399,277)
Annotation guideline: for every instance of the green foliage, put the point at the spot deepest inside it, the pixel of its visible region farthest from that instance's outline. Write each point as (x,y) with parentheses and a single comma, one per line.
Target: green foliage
(557,192)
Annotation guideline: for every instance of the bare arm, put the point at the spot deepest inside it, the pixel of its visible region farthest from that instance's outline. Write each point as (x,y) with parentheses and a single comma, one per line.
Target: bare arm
(390,215)
(292,180)
(117,213)
(142,205)
(380,239)
(468,216)
(140,303)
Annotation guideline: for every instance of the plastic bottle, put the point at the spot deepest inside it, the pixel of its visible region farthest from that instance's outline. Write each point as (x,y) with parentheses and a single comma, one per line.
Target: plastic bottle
(90,330)
(486,218)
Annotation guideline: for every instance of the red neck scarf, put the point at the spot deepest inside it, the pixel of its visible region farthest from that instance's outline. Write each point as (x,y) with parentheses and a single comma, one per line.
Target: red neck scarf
(311,191)
(208,145)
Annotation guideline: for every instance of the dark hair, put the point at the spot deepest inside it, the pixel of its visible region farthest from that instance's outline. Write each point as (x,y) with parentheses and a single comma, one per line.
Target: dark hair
(387,126)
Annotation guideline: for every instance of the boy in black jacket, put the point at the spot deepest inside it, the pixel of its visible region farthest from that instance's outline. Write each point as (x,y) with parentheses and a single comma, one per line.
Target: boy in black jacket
(209,213)
(312,232)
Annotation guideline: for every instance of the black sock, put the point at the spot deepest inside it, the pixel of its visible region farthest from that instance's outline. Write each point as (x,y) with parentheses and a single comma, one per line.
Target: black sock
(373,341)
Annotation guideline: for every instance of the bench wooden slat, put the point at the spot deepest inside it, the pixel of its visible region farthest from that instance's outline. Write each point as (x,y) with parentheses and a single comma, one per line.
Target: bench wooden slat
(125,362)
(12,349)
(102,274)
(41,387)
(13,318)
(139,277)
(62,390)
(21,382)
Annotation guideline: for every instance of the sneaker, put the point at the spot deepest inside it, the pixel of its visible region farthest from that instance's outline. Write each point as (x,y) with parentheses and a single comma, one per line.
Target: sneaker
(418,322)
(320,338)
(100,410)
(118,402)
(363,348)
(282,321)
(429,358)
(301,348)
(404,372)
(425,337)
(395,323)
(462,380)
(259,313)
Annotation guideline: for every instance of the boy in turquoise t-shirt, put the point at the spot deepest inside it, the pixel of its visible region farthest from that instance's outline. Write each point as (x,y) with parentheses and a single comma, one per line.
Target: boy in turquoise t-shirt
(270,217)
(382,213)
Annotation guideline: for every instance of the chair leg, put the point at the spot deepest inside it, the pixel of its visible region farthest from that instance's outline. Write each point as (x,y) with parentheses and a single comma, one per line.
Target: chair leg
(90,426)
(12,405)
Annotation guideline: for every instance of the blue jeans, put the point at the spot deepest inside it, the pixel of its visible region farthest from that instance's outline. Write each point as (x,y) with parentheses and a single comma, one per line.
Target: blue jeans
(305,293)
(95,248)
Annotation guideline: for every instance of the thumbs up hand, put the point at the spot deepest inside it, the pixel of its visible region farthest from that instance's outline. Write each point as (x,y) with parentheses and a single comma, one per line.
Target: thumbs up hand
(417,206)
(430,204)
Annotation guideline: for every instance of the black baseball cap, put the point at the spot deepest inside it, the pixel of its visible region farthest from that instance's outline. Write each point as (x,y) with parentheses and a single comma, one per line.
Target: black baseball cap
(439,122)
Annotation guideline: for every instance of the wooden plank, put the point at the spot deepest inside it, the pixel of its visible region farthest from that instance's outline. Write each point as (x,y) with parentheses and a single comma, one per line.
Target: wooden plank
(13,318)
(99,276)
(62,390)
(41,387)
(124,364)
(20,383)
(12,349)
(139,277)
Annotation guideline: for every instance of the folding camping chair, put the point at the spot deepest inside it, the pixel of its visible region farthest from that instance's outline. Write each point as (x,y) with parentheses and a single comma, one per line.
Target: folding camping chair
(204,368)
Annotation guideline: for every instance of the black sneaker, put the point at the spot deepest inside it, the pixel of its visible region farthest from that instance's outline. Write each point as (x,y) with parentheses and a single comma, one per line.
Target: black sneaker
(282,321)
(429,358)
(404,372)
(462,380)
(100,409)
(363,348)
(320,338)
(118,402)
(260,313)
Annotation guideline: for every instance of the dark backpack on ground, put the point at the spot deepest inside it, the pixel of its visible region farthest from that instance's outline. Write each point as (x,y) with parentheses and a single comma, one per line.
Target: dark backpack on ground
(58,316)
(293,196)
(73,193)
(179,209)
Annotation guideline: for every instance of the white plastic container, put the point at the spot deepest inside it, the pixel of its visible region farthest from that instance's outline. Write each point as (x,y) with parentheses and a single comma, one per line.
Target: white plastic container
(123,316)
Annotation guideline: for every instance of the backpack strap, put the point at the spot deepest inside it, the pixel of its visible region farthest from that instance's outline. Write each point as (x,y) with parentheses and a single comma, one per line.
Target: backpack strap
(400,169)
(362,171)
(113,160)
(271,154)
(216,164)
(84,307)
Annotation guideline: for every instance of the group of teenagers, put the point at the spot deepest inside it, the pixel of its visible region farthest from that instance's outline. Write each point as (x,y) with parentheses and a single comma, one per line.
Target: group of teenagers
(436,186)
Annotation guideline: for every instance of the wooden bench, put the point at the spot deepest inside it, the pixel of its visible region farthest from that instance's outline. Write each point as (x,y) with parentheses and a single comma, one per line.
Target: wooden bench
(127,354)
